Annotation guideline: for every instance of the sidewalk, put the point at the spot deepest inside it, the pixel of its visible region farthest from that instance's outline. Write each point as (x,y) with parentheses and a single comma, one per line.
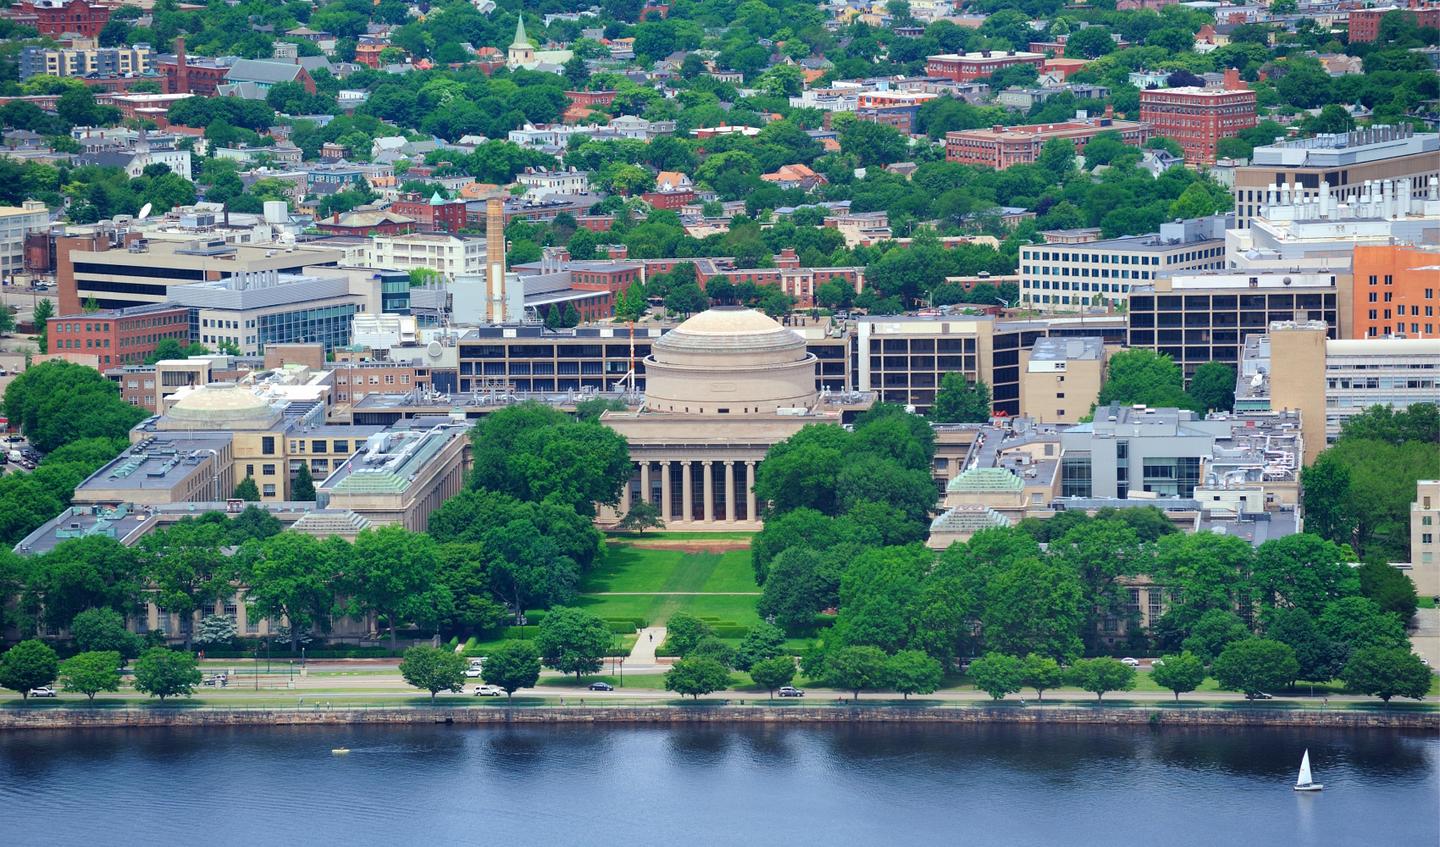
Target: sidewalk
(643,653)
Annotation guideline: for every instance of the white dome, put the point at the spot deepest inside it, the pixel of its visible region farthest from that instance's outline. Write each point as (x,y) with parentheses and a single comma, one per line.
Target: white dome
(221,405)
(727,331)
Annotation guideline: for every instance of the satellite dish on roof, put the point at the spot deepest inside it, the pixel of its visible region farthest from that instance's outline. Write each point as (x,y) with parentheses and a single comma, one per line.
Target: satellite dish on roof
(144,212)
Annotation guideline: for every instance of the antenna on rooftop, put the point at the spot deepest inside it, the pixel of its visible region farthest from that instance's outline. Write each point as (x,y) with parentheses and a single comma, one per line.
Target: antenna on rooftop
(144,212)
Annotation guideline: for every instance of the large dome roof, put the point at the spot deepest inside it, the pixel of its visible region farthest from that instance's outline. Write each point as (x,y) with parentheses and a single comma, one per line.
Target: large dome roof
(729,330)
(219,404)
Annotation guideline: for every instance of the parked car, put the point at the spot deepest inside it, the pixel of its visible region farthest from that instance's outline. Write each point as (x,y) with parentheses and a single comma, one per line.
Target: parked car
(601,686)
(1129,662)
(43,691)
(473,672)
(489,691)
(791,691)
(1261,695)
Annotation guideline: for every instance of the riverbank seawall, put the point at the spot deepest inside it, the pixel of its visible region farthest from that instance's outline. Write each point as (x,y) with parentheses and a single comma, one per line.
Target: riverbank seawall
(67,718)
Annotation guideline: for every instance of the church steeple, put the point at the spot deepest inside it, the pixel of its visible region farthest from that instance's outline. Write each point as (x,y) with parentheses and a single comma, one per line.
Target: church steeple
(521,52)
(520,39)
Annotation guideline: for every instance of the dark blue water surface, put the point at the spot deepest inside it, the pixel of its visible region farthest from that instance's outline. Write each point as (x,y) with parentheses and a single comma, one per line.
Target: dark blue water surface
(985,785)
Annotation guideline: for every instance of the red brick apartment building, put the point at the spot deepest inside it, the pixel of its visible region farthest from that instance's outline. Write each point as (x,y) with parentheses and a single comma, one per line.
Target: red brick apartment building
(964,67)
(435,214)
(57,17)
(1000,147)
(1365,23)
(118,336)
(1199,117)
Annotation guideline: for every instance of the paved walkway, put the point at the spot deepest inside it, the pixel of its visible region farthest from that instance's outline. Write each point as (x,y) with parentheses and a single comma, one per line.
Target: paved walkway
(643,653)
(1425,638)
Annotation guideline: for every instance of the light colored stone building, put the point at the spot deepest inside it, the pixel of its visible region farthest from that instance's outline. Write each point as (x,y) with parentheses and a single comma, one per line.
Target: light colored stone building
(722,388)
(1061,378)
(1425,538)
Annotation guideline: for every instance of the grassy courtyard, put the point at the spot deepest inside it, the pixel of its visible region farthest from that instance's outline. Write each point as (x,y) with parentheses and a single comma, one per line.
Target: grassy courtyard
(655,583)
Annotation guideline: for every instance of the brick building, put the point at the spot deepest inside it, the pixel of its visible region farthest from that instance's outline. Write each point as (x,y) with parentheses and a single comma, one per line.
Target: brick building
(963,67)
(1365,23)
(184,75)
(118,336)
(1000,147)
(435,215)
(58,17)
(1395,291)
(1199,117)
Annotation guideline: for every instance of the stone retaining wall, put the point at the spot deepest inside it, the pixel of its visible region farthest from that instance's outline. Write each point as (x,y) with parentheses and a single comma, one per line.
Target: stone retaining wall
(67,718)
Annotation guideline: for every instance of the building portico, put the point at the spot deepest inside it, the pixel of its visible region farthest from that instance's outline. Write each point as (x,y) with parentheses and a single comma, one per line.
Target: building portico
(723,388)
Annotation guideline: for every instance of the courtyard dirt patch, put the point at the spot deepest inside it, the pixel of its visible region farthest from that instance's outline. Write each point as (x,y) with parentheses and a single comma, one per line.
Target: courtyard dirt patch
(698,545)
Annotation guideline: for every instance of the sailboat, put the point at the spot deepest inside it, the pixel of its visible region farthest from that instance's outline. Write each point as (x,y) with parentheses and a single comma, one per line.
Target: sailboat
(1303,782)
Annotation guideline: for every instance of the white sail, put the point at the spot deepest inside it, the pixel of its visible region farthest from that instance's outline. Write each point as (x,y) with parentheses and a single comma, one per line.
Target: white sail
(1304,778)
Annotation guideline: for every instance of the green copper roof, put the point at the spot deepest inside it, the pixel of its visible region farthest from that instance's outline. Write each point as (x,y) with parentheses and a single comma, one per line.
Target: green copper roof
(968,519)
(986,479)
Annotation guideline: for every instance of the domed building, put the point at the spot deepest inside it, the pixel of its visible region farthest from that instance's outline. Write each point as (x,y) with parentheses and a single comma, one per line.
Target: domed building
(721,389)
(729,362)
(220,406)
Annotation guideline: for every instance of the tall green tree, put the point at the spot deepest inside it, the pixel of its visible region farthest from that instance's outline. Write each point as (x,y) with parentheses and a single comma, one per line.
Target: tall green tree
(103,630)
(303,486)
(775,672)
(1042,673)
(512,665)
(763,641)
(1212,388)
(392,574)
(574,641)
(290,576)
(1034,606)
(1255,664)
(1101,676)
(961,401)
(1387,672)
(91,673)
(162,672)
(535,453)
(913,672)
(1181,673)
(856,669)
(1143,376)
(433,669)
(27,665)
(695,676)
(247,490)
(997,674)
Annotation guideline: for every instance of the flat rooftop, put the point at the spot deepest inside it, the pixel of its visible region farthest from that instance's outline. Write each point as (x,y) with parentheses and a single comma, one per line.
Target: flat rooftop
(1081,348)
(392,460)
(158,463)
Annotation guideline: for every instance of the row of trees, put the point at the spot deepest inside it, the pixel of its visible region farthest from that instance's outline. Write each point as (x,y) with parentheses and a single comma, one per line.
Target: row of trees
(159,672)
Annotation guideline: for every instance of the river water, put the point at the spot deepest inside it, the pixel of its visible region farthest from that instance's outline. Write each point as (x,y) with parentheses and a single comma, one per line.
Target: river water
(739,784)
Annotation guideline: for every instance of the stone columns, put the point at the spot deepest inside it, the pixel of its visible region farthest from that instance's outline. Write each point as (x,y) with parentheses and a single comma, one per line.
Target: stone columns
(645,481)
(687,492)
(625,494)
(665,491)
(709,492)
(750,513)
(729,492)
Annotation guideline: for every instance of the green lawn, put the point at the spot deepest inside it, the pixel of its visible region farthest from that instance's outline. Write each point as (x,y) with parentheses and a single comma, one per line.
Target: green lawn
(631,569)
(1426,602)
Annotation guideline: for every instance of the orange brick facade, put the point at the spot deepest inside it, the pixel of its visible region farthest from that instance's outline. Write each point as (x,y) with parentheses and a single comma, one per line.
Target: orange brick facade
(1395,292)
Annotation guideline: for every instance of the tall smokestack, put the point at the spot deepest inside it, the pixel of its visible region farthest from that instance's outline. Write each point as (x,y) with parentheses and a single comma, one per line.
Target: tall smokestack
(495,258)
(182,70)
